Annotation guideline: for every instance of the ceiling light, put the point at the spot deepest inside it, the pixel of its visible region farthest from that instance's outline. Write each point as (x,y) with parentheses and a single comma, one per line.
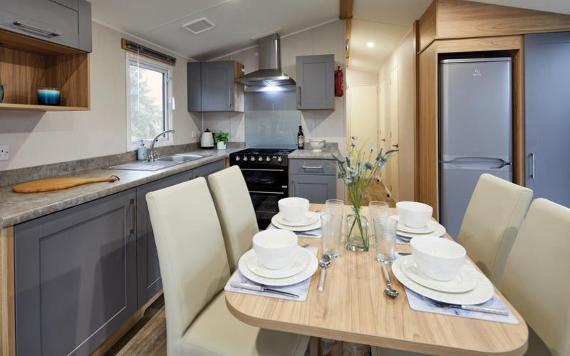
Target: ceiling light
(370,44)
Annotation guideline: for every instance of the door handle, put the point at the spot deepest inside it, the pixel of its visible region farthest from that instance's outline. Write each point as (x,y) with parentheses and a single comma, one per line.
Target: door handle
(396,145)
(35,30)
(531,157)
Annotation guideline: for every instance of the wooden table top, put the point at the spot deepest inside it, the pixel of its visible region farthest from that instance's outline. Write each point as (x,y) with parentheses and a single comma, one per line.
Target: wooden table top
(353,308)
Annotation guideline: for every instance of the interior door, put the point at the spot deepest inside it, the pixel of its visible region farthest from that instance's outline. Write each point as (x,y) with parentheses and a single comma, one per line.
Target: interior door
(547,116)
(364,114)
(393,166)
(382,121)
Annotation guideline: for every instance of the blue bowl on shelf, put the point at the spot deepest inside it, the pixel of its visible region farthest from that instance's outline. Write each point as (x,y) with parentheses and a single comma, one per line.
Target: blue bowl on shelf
(49,96)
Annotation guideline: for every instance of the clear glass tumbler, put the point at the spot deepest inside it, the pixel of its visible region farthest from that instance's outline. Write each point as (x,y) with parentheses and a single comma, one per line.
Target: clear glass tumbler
(385,239)
(378,209)
(334,207)
(331,234)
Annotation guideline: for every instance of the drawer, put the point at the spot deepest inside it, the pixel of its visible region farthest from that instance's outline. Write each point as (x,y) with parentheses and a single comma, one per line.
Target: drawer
(312,166)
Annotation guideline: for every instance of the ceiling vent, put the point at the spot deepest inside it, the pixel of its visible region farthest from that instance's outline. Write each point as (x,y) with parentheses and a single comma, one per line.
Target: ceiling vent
(199,25)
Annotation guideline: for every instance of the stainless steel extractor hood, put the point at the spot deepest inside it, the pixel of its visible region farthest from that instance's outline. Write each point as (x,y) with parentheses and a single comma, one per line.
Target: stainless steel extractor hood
(269,73)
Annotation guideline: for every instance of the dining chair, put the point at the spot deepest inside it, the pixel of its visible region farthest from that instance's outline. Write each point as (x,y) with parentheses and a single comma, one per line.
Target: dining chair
(490,224)
(194,269)
(235,210)
(535,278)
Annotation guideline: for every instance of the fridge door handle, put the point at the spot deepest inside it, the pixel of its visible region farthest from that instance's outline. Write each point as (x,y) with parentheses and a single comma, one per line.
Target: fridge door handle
(502,163)
(531,157)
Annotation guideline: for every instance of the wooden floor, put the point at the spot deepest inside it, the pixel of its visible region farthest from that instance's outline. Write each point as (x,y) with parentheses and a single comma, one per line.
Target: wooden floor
(148,336)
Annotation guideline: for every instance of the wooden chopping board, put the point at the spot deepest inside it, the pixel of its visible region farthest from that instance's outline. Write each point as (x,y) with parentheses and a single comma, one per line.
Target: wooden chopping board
(59,183)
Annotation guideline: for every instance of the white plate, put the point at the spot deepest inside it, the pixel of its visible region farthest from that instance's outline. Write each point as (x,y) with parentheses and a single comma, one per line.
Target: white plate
(277,224)
(465,281)
(310,219)
(431,226)
(309,270)
(439,231)
(482,292)
(300,261)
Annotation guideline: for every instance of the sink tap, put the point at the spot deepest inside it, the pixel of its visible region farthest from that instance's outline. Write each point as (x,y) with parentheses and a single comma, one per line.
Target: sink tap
(152,155)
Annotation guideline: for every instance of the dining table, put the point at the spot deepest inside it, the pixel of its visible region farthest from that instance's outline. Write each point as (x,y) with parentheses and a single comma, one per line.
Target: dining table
(353,308)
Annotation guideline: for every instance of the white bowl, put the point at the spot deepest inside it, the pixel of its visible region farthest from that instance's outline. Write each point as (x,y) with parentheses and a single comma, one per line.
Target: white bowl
(317,144)
(274,248)
(413,214)
(439,258)
(293,209)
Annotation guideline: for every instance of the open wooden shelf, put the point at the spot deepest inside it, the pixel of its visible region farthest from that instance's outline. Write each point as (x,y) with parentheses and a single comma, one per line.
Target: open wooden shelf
(27,64)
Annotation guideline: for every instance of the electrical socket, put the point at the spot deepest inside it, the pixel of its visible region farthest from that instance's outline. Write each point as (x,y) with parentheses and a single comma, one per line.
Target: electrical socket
(4,153)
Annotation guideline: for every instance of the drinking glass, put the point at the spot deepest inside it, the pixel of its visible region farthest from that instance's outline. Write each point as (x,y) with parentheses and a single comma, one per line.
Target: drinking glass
(334,207)
(331,233)
(385,239)
(378,209)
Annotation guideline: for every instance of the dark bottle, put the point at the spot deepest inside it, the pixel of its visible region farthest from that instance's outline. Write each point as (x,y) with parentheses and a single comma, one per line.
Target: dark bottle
(300,138)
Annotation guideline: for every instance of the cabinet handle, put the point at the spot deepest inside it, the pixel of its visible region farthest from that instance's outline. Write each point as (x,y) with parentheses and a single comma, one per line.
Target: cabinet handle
(299,97)
(309,167)
(36,30)
(230,97)
(132,217)
(266,192)
(532,172)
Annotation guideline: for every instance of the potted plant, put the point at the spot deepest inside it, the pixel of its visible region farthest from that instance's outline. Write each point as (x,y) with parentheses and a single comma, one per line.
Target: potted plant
(358,170)
(222,139)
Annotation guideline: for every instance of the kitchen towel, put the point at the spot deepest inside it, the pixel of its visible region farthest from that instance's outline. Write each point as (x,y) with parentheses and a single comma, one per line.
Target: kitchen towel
(420,303)
(301,288)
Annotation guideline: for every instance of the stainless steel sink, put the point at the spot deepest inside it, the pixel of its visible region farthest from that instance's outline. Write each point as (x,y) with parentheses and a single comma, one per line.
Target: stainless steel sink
(161,163)
(181,158)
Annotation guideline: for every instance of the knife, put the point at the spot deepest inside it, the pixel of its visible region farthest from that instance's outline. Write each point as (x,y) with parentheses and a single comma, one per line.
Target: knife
(262,289)
(474,308)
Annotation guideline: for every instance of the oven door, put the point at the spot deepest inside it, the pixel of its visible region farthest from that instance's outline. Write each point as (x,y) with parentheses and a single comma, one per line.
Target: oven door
(265,205)
(265,179)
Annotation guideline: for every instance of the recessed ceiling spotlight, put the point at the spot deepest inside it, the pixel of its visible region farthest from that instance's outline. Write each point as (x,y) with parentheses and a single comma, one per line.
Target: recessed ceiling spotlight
(370,44)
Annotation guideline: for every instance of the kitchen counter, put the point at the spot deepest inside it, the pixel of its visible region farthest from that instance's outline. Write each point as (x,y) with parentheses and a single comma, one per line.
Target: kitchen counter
(16,207)
(327,153)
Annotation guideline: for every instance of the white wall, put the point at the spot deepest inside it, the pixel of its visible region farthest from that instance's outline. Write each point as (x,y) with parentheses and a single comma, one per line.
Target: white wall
(401,67)
(41,138)
(328,124)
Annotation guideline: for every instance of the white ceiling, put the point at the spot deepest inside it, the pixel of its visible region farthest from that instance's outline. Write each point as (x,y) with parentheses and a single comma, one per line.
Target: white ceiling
(384,22)
(238,22)
(560,6)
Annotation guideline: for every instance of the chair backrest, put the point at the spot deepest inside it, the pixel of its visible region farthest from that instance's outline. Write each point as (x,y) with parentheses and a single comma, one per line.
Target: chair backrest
(235,210)
(191,253)
(537,271)
(491,222)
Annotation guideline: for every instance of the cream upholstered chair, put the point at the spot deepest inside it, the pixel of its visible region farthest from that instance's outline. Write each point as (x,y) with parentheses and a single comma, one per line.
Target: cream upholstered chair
(535,280)
(235,210)
(491,222)
(194,269)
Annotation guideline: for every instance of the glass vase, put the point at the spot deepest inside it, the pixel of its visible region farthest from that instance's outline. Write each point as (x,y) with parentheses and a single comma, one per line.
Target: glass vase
(357,237)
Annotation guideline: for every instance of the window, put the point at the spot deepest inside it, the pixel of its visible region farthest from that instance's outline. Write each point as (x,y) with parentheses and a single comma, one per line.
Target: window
(149,100)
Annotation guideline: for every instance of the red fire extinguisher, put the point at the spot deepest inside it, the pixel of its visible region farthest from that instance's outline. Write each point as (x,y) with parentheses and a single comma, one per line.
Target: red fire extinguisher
(338,82)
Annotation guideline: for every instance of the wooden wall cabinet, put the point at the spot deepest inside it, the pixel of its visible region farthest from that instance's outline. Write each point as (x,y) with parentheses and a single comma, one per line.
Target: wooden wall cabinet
(212,86)
(315,82)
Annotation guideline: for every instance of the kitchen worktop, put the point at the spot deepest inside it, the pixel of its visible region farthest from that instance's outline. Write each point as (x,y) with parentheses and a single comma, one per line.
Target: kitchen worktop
(327,152)
(16,207)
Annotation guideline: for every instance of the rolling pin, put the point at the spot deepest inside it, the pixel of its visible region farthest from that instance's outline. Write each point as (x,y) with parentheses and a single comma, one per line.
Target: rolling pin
(58,183)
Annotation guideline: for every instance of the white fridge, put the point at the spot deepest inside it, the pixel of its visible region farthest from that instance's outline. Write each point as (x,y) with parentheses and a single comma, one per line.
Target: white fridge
(475,130)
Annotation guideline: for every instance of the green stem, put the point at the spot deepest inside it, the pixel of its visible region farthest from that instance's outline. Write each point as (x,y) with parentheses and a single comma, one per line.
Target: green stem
(356,198)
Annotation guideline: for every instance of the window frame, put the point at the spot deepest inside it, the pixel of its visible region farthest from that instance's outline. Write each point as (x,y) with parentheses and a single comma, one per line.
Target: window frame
(168,97)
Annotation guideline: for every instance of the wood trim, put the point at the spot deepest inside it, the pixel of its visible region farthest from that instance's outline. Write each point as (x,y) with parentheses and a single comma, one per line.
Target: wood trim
(519,161)
(26,43)
(347,36)
(7,304)
(483,44)
(427,27)
(346,7)
(417,125)
(128,325)
(465,19)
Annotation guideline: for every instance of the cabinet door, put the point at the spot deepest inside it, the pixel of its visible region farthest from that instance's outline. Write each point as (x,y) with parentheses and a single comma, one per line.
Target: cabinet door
(53,21)
(194,83)
(218,86)
(547,115)
(315,188)
(75,276)
(148,269)
(206,170)
(315,82)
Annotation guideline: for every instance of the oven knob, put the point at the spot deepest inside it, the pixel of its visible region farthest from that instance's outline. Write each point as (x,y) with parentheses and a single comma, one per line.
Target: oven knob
(267,159)
(279,159)
(260,159)
(237,158)
(245,158)
(252,158)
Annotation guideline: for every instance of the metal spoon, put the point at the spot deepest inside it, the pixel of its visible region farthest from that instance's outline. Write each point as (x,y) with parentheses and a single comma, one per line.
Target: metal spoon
(324,263)
(389,290)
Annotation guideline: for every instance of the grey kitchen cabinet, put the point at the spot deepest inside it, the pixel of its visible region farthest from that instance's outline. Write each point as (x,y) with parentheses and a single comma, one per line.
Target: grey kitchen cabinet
(64,22)
(547,115)
(312,179)
(148,269)
(315,82)
(212,86)
(75,276)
